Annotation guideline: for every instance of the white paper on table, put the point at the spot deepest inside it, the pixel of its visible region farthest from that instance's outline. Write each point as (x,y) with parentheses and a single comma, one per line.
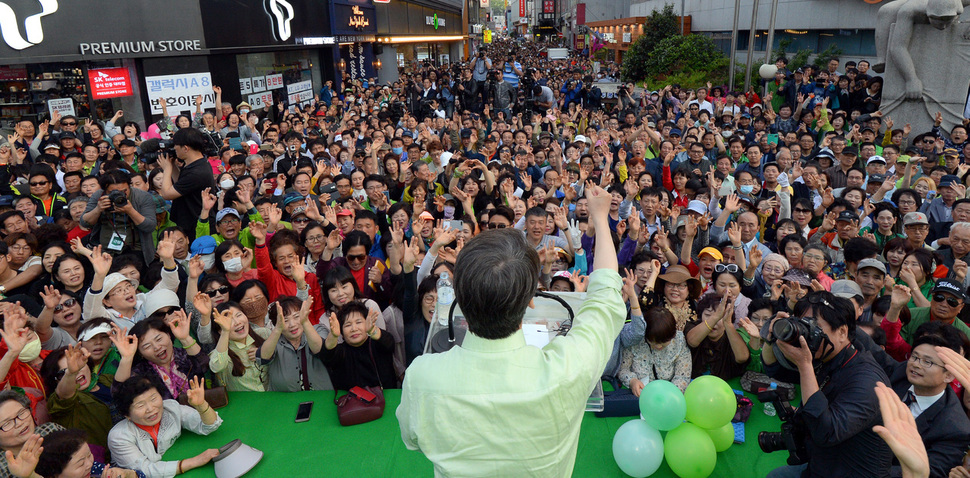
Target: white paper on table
(536,334)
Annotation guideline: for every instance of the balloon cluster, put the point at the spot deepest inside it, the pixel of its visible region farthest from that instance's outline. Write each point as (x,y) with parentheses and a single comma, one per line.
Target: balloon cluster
(691,446)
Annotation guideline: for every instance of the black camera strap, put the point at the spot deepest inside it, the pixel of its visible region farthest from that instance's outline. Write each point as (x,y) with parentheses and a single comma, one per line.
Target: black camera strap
(846,362)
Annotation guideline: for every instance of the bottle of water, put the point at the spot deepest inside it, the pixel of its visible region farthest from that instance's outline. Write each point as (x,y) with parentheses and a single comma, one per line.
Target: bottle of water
(770,407)
(446,295)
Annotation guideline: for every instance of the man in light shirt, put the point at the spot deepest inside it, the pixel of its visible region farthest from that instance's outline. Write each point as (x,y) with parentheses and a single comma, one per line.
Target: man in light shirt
(495,406)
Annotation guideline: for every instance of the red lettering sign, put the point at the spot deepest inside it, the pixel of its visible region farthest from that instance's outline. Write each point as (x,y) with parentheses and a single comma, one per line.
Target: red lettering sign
(522,8)
(548,6)
(109,83)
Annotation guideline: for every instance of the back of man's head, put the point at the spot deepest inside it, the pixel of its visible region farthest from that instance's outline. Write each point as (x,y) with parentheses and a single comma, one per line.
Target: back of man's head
(189,137)
(495,279)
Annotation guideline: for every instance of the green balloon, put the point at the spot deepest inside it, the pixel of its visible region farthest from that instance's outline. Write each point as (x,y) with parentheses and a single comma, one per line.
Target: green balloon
(638,449)
(710,402)
(722,437)
(662,405)
(690,452)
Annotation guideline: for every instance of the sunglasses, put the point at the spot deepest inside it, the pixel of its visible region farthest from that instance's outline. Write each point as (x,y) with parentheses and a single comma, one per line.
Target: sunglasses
(356,257)
(214,292)
(952,302)
(802,210)
(300,220)
(40,183)
(67,303)
(732,268)
(493,225)
(60,374)
(69,124)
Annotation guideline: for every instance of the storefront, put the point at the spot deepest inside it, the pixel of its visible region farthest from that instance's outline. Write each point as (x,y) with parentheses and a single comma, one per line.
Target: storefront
(411,32)
(618,35)
(89,64)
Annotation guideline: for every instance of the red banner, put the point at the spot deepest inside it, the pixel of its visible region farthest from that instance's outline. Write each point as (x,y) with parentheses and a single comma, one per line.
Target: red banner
(521,8)
(110,83)
(548,6)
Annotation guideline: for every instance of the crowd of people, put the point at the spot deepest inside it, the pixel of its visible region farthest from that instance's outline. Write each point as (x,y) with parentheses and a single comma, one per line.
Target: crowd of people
(299,247)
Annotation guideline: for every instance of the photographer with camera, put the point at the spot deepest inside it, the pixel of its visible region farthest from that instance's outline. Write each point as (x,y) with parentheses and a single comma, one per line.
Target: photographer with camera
(480,67)
(121,218)
(469,91)
(503,94)
(183,184)
(831,433)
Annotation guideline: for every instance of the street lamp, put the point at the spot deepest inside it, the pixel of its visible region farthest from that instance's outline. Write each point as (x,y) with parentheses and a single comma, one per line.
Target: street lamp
(377,64)
(342,64)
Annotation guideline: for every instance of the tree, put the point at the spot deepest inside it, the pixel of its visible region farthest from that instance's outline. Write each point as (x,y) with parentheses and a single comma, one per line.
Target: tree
(660,25)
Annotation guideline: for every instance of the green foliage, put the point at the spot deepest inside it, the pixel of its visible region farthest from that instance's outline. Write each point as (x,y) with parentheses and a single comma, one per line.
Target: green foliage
(603,55)
(682,53)
(830,52)
(659,26)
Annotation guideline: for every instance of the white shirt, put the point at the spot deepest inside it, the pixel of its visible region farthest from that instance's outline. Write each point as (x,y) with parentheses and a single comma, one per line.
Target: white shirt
(922,403)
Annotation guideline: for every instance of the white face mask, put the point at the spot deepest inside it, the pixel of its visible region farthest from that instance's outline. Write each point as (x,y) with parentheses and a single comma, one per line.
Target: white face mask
(227,184)
(31,351)
(243,111)
(233,265)
(208,260)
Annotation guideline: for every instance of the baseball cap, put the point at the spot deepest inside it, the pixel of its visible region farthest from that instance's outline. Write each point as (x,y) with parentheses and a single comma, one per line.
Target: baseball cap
(579,138)
(850,151)
(299,211)
(291,198)
(425,216)
(825,153)
(675,132)
(877,178)
(466,133)
(915,218)
(713,252)
(949,180)
(951,287)
(847,215)
(846,289)
(67,135)
(445,158)
(203,245)
(876,159)
(951,152)
(697,206)
(160,204)
(225,212)
(348,212)
(51,146)
(870,262)
(127,142)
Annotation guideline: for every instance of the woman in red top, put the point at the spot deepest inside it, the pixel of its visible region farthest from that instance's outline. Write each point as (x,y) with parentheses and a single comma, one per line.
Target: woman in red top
(281,268)
(372,277)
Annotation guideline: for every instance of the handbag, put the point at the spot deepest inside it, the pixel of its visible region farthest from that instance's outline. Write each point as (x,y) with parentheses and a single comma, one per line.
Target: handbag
(216,397)
(361,404)
(754,382)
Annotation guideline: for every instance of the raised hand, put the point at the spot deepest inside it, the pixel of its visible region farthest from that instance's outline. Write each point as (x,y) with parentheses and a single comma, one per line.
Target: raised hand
(333,240)
(580,282)
(51,296)
(223,320)
(258,230)
(166,247)
(734,233)
(25,462)
(334,325)
(100,261)
(754,257)
(202,303)
(196,267)
(753,331)
(901,295)
(196,393)
(126,344)
(732,203)
(899,431)
(179,324)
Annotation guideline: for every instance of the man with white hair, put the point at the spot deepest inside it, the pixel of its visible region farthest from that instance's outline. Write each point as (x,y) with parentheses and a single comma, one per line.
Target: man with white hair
(957,255)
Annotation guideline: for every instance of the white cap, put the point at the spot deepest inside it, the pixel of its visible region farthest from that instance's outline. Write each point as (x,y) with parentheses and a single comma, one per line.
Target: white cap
(93,331)
(580,137)
(445,157)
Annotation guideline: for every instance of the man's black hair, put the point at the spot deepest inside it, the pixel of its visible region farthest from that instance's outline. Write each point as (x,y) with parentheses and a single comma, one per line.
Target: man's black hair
(374,178)
(495,279)
(114,177)
(859,248)
(938,334)
(365,214)
(536,212)
(824,305)
(190,138)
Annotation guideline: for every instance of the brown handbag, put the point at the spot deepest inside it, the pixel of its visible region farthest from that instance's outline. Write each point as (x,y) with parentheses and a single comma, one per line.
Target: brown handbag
(361,404)
(216,397)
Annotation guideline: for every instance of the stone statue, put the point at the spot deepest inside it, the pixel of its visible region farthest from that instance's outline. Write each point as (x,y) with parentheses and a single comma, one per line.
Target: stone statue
(940,14)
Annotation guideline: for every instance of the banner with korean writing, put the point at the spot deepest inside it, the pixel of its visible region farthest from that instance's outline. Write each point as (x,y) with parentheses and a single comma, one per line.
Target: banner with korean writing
(110,83)
(260,100)
(63,106)
(180,92)
(548,6)
(274,81)
(521,8)
(299,92)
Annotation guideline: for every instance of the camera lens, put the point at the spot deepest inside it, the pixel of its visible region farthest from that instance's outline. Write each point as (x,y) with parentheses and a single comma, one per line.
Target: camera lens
(787,330)
(771,442)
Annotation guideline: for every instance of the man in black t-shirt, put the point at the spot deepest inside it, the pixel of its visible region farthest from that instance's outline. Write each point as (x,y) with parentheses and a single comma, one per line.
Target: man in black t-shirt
(184,185)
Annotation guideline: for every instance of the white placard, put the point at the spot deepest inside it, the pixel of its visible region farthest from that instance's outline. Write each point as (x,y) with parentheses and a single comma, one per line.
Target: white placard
(245,85)
(274,81)
(180,92)
(294,88)
(301,96)
(259,83)
(260,100)
(627,36)
(63,106)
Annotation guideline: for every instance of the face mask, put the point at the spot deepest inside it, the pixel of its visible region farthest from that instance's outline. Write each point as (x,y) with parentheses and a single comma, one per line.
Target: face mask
(30,352)
(746,189)
(397,151)
(208,260)
(227,184)
(256,308)
(233,265)
(449,212)
(243,111)
(345,143)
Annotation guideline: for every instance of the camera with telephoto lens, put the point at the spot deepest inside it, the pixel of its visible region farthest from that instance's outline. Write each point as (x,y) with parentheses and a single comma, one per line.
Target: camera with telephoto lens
(789,329)
(118,199)
(793,432)
(150,149)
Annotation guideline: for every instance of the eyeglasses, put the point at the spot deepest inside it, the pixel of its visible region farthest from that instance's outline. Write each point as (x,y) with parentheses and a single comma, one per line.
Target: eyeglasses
(798,209)
(493,225)
(40,183)
(356,257)
(19,247)
(812,257)
(229,220)
(732,268)
(317,238)
(24,414)
(681,286)
(67,303)
(923,361)
(68,123)
(300,220)
(951,301)
(214,292)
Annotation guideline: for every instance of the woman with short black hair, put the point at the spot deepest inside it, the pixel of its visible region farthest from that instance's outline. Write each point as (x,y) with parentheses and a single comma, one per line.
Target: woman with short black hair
(662,355)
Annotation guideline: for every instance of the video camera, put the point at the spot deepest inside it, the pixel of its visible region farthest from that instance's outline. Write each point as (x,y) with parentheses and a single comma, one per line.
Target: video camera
(793,432)
(152,148)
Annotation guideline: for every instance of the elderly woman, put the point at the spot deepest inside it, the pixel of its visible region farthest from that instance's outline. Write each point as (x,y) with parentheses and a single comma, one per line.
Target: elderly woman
(17,427)
(815,259)
(365,357)
(155,356)
(66,454)
(153,423)
(662,355)
(715,344)
(676,291)
(289,353)
(916,272)
(756,284)
(726,282)
(95,337)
